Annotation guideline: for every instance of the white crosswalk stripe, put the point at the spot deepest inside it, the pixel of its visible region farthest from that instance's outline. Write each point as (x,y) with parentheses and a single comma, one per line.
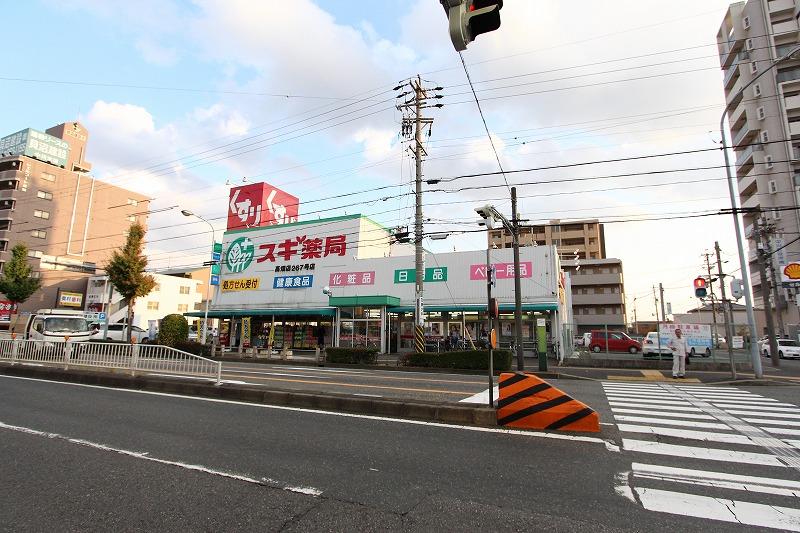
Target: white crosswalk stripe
(723,454)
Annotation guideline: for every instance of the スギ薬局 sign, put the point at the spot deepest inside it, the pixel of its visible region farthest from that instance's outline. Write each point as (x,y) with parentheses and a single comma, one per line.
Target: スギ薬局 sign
(260,204)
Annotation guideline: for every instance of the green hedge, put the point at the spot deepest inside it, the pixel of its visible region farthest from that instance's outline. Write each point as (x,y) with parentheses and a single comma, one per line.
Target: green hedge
(467,360)
(354,356)
(203,350)
(173,329)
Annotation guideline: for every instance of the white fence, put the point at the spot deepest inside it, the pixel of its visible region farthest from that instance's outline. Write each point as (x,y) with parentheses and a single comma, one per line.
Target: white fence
(135,358)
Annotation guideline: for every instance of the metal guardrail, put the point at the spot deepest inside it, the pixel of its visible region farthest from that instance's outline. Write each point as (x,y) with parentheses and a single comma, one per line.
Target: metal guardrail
(135,358)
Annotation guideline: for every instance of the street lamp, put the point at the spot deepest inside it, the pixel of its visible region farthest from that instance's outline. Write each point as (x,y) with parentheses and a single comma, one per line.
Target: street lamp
(187,213)
(751,318)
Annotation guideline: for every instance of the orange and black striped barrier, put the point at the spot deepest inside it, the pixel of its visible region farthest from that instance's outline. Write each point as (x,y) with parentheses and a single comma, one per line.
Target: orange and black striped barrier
(528,402)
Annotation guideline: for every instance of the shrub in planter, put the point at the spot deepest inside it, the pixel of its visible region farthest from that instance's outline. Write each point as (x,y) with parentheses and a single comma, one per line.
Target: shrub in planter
(466,360)
(174,329)
(353,356)
(193,347)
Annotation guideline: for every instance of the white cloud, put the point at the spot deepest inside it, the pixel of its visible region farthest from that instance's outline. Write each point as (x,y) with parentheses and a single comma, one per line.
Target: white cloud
(156,54)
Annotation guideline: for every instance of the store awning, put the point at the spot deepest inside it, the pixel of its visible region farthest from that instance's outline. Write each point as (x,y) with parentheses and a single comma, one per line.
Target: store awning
(504,308)
(324,311)
(363,301)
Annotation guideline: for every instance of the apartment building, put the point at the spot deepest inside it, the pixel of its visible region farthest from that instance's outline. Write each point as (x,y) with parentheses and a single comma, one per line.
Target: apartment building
(584,237)
(598,294)
(764,123)
(70,221)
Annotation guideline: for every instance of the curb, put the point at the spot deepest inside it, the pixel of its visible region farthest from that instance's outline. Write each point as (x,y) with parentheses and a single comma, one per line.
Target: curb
(442,412)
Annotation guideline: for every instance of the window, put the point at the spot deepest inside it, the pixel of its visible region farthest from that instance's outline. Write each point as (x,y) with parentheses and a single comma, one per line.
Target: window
(776,214)
(749,44)
(184,289)
(768,164)
(753,67)
(131,218)
(765,136)
(746,23)
(38,213)
(39,234)
(156,287)
(35,253)
(757,90)
(152,306)
(133,202)
(46,176)
(600,311)
(183,308)
(44,195)
(760,113)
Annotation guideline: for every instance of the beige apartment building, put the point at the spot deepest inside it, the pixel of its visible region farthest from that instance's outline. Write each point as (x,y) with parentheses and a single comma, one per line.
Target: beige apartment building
(764,123)
(70,221)
(586,237)
(598,288)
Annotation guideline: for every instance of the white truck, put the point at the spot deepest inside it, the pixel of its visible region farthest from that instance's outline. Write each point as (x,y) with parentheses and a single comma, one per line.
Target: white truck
(56,324)
(698,338)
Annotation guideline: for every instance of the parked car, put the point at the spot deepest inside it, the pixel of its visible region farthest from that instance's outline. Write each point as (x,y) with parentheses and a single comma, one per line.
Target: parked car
(650,345)
(119,332)
(787,349)
(618,341)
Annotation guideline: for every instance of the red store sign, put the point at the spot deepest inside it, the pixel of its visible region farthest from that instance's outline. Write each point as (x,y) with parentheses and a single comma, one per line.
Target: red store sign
(260,204)
(303,246)
(344,279)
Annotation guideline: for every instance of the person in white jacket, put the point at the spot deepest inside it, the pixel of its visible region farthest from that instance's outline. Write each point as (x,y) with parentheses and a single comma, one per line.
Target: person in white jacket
(677,346)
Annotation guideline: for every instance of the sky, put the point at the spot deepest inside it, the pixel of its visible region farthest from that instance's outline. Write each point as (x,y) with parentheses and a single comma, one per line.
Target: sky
(182,97)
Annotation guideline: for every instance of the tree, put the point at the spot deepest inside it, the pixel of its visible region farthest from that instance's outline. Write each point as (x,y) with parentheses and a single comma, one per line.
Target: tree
(16,282)
(173,329)
(126,271)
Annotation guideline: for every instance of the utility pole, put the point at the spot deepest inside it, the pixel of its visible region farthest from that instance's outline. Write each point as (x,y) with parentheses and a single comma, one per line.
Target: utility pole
(518,291)
(762,272)
(725,304)
(769,229)
(714,333)
(419,96)
(658,323)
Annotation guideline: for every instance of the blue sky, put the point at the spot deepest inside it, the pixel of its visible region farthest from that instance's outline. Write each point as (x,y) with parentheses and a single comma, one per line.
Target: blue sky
(563,92)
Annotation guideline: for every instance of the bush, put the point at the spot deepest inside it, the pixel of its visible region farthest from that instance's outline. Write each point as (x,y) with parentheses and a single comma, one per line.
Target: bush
(352,356)
(466,360)
(193,347)
(174,329)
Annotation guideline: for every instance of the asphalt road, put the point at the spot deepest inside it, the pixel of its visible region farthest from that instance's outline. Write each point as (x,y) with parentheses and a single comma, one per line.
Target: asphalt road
(89,458)
(379,383)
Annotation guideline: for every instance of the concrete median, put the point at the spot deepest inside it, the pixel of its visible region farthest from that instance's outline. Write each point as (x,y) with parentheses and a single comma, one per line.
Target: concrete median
(443,412)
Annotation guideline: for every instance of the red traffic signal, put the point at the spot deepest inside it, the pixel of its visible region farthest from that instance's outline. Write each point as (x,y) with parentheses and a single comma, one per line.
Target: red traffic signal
(700,287)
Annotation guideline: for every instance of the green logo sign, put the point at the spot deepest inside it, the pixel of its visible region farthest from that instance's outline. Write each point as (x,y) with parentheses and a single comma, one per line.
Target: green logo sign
(240,254)
(409,275)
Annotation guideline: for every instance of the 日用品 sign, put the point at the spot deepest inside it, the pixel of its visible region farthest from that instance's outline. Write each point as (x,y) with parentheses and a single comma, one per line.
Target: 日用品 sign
(409,275)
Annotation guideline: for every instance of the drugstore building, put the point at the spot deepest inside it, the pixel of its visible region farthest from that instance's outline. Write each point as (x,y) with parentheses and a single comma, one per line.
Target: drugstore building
(272,280)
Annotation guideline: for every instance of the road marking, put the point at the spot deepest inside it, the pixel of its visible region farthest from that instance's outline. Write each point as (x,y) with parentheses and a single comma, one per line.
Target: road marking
(762,413)
(555,436)
(794,423)
(671,422)
(751,514)
(706,436)
(779,487)
(646,400)
(266,482)
(368,395)
(229,373)
(676,408)
(482,397)
(690,416)
(379,374)
(665,379)
(692,452)
(782,431)
(753,405)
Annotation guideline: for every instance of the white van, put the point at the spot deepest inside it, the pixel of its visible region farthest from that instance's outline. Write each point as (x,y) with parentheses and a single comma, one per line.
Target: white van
(56,324)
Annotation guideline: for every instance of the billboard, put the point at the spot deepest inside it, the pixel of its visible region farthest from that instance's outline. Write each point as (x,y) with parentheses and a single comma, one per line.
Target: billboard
(37,145)
(260,204)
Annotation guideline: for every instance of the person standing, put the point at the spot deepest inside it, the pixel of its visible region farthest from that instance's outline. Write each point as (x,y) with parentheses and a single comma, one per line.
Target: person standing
(677,346)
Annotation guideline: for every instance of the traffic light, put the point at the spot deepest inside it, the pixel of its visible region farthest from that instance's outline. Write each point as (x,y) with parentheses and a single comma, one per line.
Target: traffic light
(737,289)
(700,287)
(470,18)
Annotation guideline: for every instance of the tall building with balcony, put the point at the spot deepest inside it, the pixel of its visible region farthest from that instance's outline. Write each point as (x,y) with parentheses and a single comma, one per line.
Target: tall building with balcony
(764,123)
(584,238)
(70,221)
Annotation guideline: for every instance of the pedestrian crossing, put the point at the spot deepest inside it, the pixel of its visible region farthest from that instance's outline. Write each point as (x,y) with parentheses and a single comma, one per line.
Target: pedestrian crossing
(723,454)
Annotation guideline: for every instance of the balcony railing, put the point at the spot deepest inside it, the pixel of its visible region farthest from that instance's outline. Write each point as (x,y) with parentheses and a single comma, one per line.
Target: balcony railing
(747,153)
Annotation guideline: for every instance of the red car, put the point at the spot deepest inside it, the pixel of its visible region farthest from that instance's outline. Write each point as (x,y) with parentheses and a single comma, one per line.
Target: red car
(618,341)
